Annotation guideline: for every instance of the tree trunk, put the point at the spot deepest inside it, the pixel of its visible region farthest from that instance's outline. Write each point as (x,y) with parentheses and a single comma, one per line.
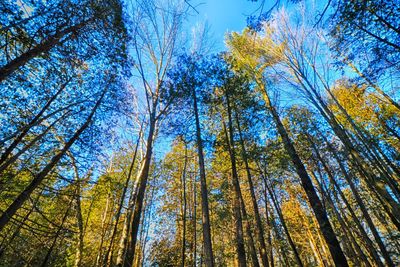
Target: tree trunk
(251,244)
(280,215)
(269,229)
(360,203)
(194,221)
(315,203)
(79,218)
(48,254)
(104,227)
(260,229)
(142,178)
(108,255)
(183,244)
(208,253)
(240,249)
(125,230)
(283,256)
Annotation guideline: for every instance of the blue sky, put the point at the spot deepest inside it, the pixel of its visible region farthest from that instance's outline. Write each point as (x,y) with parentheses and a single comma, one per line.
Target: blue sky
(223,16)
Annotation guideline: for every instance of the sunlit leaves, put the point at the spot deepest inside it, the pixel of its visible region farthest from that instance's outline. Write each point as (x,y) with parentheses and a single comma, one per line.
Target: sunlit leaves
(252,52)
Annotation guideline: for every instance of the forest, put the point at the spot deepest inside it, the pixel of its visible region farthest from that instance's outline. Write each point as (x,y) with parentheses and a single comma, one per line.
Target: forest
(127,139)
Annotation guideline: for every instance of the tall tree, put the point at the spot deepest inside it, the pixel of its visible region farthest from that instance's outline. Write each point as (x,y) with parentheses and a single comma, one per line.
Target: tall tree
(153,47)
(255,64)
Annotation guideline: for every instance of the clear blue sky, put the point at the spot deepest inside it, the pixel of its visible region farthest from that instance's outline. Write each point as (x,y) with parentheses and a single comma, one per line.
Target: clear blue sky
(224,16)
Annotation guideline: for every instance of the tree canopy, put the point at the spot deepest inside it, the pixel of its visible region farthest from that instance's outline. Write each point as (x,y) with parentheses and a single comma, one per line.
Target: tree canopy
(125,142)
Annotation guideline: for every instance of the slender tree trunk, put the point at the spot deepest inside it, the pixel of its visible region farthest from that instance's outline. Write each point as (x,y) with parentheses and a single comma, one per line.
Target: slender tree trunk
(183,244)
(48,254)
(123,241)
(208,253)
(259,226)
(79,218)
(240,248)
(251,244)
(360,203)
(269,229)
(103,231)
(194,221)
(271,220)
(250,239)
(317,253)
(108,255)
(183,208)
(280,215)
(80,244)
(315,203)
(125,230)
(391,207)
(143,176)
(24,195)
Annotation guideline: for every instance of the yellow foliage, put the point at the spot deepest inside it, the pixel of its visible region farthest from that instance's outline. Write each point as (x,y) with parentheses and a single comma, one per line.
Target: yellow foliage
(253,53)
(365,108)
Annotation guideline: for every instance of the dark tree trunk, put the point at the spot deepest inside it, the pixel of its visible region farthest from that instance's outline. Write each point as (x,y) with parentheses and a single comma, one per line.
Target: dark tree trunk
(108,255)
(392,208)
(320,213)
(208,253)
(280,215)
(360,203)
(183,245)
(143,176)
(260,229)
(194,221)
(240,248)
(125,231)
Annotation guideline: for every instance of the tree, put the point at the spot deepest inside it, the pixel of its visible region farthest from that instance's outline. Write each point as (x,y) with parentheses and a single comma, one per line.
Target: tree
(155,46)
(256,64)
